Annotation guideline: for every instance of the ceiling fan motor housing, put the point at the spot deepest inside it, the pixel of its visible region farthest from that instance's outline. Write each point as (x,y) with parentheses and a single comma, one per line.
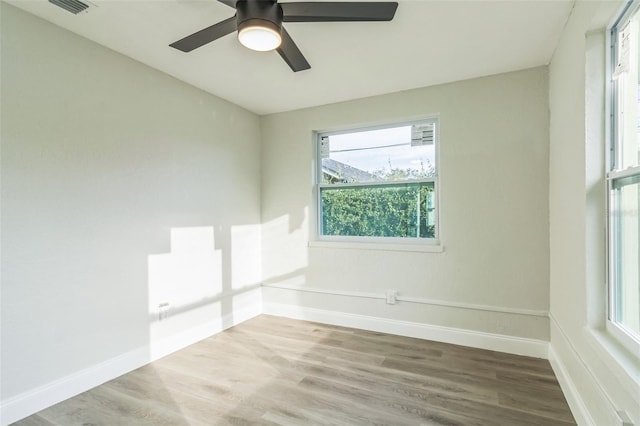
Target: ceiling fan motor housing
(259,13)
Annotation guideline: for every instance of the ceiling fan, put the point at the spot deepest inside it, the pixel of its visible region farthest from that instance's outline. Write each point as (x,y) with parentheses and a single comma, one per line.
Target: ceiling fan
(259,24)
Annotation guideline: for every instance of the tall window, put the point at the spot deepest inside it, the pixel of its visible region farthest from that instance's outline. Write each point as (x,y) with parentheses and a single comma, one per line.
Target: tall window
(623,182)
(379,184)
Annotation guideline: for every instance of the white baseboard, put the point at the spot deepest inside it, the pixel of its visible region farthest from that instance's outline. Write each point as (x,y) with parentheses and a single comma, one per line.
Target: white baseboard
(28,403)
(588,399)
(575,401)
(25,404)
(477,339)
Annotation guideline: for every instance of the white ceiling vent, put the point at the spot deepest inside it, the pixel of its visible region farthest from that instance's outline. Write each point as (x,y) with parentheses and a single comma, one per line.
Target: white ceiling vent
(73,6)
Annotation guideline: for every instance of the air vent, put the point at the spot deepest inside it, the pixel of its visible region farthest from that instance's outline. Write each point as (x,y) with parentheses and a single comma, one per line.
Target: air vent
(73,6)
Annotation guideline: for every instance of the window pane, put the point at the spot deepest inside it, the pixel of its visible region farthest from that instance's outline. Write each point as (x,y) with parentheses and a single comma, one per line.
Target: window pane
(402,210)
(383,155)
(626,250)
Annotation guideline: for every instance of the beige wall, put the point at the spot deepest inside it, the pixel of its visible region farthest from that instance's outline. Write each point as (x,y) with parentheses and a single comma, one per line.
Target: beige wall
(493,211)
(111,172)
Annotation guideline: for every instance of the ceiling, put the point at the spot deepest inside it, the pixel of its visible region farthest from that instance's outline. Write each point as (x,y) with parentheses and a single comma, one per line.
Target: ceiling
(428,42)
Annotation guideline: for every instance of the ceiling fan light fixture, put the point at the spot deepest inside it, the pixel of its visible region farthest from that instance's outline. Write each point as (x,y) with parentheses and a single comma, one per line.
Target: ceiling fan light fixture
(260,35)
(259,24)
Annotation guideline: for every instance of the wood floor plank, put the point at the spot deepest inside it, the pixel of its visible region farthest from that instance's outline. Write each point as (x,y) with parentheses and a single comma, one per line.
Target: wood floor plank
(419,404)
(545,406)
(101,406)
(319,351)
(36,420)
(278,371)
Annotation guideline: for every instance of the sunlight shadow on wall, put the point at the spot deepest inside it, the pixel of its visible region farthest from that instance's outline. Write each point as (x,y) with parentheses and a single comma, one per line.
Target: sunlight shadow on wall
(185,284)
(285,259)
(245,250)
(246,272)
(282,251)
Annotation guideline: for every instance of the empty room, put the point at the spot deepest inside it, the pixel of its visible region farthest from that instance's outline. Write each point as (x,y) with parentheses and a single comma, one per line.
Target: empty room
(239,212)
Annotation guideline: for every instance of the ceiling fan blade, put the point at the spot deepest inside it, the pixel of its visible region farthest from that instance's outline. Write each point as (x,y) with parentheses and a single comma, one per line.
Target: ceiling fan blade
(291,54)
(338,11)
(230,3)
(206,35)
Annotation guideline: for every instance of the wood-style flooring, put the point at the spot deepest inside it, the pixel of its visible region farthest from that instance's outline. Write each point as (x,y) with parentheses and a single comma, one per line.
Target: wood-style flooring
(277,371)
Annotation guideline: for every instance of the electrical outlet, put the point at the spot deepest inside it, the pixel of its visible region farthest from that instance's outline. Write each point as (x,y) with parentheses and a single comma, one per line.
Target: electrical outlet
(163,311)
(391,297)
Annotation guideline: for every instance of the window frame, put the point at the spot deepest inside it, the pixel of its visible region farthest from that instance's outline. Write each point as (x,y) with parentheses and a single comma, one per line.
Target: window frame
(613,173)
(377,243)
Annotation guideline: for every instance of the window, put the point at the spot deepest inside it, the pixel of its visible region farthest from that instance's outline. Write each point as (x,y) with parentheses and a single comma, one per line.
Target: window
(379,184)
(623,183)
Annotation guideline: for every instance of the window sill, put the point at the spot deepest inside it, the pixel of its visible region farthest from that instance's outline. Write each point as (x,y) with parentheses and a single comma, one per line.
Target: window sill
(356,245)
(623,364)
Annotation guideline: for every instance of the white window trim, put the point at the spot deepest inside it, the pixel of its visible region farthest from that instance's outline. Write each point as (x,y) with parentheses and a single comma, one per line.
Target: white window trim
(425,245)
(621,174)
(614,330)
(626,339)
(421,247)
(622,363)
